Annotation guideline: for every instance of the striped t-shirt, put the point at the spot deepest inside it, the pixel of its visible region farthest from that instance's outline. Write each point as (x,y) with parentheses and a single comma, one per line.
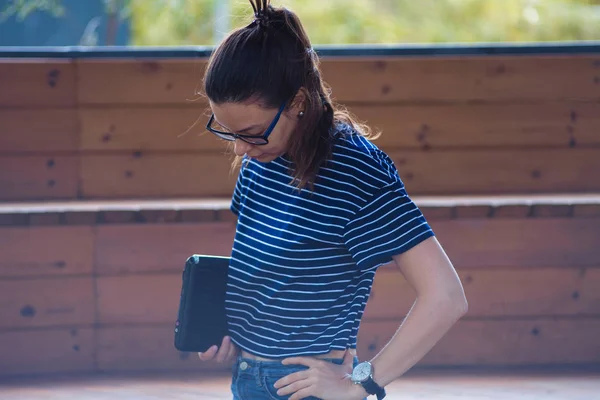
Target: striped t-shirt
(303,262)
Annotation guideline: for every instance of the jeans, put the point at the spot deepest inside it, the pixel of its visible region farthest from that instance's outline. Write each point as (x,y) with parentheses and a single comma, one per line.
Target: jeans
(254,380)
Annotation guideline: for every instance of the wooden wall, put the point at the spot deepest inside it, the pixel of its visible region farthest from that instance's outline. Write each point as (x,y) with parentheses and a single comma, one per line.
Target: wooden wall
(120,128)
(98,292)
(73,284)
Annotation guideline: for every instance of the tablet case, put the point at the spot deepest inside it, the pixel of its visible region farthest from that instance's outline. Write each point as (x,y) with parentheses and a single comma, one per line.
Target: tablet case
(201,320)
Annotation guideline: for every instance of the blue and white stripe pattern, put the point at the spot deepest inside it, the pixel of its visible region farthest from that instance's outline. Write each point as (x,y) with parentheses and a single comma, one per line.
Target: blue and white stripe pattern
(303,262)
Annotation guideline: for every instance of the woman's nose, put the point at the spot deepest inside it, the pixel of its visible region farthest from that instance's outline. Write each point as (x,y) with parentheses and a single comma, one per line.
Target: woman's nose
(240,147)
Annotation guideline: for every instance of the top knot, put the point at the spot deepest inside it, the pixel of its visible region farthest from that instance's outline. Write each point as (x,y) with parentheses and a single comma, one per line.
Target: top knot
(261,18)
(261,12)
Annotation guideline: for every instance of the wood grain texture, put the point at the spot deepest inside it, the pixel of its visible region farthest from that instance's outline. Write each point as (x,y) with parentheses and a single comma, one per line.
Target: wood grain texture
(158,248)
(147,348)
(148,128)
(552,341)
(56,301)
(507,242)
(138,299)
(522,171)
(492,78)
(499,292)
(175,81)
(47,351)
(403,126)
(37,83)
(453,172)
(160,175)
(46,251)
(415,79)
(38,177)
(39,130)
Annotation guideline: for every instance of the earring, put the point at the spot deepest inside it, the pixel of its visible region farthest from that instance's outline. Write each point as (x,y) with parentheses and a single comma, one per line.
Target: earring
(301,114)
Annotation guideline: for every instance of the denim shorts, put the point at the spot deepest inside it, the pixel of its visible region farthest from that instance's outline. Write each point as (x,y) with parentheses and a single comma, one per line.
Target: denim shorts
(254,380)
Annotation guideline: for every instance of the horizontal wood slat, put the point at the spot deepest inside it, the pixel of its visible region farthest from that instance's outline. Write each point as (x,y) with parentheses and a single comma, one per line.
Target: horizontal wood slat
(138,299)
(158,248)
(41,351)
(47,302)
(156,175)
(459,172)
(499,172)
(148,348)
(481,243)
(40,130)
(500,343)
(499,292)
(471,243)
(37,83)
(428,126)
(151,128)
(175,81)
(46,251)
(500,78)
(38,177)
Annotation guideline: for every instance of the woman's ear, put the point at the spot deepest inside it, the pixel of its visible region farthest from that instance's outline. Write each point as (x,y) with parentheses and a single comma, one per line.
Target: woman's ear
(299,102)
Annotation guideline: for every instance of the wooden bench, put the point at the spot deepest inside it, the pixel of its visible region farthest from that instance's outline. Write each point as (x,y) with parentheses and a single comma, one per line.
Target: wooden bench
(94,286)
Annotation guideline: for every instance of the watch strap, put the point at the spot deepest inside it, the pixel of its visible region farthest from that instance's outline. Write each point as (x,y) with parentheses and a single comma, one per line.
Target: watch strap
(373,388)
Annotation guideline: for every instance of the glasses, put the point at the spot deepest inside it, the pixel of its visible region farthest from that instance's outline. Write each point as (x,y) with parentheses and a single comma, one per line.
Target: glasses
(252,139)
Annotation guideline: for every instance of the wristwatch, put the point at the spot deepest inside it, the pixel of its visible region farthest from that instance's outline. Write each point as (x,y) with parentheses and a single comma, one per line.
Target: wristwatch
(363,375)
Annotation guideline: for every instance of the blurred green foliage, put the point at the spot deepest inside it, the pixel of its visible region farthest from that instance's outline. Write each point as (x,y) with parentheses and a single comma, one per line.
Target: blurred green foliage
(384,21)
(190,22)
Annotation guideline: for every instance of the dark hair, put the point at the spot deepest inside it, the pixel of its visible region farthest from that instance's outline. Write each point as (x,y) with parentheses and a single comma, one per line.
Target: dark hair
(269,61)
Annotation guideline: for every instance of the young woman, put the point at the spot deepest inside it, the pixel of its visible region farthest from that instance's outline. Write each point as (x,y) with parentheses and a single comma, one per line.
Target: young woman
(319,209)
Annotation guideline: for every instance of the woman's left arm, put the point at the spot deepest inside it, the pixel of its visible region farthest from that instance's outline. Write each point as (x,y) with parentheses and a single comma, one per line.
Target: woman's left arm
(440,303)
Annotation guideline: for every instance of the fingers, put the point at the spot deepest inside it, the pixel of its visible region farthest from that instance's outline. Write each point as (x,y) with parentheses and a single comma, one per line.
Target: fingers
(233,351)
(224,350)
(208,354)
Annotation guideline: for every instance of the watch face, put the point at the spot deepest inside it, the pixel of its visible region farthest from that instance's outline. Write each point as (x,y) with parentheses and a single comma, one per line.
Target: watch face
(362,372)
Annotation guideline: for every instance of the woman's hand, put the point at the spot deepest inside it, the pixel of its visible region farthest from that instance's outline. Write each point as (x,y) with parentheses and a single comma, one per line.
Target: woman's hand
(226,353)
(322,379)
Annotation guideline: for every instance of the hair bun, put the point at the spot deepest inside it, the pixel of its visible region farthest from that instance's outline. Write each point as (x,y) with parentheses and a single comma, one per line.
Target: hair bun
(262,9)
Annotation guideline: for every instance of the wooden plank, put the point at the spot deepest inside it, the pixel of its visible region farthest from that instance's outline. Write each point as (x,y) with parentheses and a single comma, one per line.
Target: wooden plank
(491,293)
(491,78)
(498,292)
(148,128)
(523,243)
(140,81)
(138,299)
(42,251)
(481,172)
(158,248)
(423,126)
(40,351)
(56,301)
(145,348)
(499,171)
(482,125)
(37,82)
(157,175)
(500,342)
(39,130)
(38,177)
(391,79)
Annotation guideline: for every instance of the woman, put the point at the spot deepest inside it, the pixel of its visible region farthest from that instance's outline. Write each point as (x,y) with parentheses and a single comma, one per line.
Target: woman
(319,209)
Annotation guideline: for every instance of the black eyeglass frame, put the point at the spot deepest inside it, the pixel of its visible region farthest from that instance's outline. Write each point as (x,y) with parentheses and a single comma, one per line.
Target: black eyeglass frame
(252,139)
